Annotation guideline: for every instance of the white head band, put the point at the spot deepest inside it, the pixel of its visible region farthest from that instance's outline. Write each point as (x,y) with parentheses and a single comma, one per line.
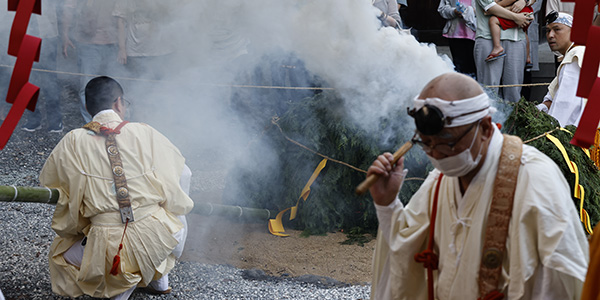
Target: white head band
(565,19)
(459,112)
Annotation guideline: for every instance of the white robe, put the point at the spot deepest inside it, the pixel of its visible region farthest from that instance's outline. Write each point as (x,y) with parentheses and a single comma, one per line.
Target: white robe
(80,169)
(546,253)
(566,106)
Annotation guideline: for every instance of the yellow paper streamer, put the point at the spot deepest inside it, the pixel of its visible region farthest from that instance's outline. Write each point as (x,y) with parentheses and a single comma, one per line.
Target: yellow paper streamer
(595,155)
(276,225)
(579,191)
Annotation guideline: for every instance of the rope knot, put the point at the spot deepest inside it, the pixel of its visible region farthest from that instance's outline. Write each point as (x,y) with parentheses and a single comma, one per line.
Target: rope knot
(105,131)
(428,258)
(493,295)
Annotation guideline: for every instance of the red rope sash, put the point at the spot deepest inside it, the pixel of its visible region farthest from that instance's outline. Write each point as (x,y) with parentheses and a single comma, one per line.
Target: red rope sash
(105,131)
(428,258)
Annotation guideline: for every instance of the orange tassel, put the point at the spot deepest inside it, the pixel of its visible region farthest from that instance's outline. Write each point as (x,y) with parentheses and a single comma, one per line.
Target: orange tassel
(117,259)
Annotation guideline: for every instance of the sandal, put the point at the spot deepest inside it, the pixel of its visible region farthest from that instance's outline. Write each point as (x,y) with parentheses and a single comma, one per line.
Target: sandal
(152,291)
(493,56)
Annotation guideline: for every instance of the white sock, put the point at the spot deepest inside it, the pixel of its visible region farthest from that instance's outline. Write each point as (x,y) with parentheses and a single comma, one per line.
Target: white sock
(124,295)
(161,284)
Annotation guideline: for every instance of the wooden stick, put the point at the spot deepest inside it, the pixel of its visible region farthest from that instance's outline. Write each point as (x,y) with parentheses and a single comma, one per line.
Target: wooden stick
(367,183)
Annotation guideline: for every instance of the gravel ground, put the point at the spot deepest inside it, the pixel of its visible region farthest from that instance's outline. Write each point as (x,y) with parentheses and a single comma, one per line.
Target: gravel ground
(26,239)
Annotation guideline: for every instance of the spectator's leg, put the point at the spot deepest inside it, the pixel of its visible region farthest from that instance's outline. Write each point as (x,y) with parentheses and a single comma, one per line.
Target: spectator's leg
(53,88)
(137,67)
(462,55)
(495,30)
(49,96)
(528,61)
(109,64)
(514,68)
(89,57)
(488,73)
(5,74)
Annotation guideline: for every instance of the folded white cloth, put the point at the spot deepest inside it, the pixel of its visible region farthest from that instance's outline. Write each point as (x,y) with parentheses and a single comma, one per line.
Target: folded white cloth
(542,107)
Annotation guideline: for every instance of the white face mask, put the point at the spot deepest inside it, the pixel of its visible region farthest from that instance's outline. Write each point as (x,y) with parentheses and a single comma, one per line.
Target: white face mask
(460,164)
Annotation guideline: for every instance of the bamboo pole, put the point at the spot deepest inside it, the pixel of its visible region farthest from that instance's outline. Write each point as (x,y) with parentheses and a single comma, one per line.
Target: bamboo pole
(242,213)
(367,183)
(12,193)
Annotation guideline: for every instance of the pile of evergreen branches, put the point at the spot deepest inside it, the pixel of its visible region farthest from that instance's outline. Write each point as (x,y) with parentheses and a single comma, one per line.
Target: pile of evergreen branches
(527,122)
(320,123)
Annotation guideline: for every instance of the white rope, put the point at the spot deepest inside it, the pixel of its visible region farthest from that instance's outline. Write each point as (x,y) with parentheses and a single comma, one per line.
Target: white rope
(211,209)
(241,211)
(49,194)
(144,174)
(111,179)
(95,176)
(16,193)
(269,212)
(156,80)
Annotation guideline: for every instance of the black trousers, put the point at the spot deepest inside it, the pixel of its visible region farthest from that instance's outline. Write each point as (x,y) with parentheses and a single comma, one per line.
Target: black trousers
(49,98)
(462,55)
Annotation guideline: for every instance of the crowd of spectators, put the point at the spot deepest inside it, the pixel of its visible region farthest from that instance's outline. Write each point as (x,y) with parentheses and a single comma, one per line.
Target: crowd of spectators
(503,44)
(494,41)
(107,37)
(503,47)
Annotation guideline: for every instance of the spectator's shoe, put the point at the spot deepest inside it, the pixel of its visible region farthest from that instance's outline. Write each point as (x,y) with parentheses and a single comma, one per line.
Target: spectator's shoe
(32,126)
(152,291)
(528,67)
(493,56)
(56,128)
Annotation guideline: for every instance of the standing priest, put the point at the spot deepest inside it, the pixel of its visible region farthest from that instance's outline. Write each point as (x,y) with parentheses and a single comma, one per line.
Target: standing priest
(494,220)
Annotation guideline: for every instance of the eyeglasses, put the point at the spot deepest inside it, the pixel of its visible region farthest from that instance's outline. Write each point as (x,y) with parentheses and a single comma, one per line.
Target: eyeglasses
(124,101)
(551,17)
(444,148)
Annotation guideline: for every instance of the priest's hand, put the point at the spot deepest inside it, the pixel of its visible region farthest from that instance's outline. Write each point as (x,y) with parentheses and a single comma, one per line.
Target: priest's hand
(391,177)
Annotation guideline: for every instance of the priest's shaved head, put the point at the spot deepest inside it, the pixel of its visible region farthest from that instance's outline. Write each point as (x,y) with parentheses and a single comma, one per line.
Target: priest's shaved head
(454,125)
(101,93)
(451,86)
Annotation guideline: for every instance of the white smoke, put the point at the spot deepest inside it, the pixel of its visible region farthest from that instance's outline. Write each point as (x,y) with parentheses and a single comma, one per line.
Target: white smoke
(373,69)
